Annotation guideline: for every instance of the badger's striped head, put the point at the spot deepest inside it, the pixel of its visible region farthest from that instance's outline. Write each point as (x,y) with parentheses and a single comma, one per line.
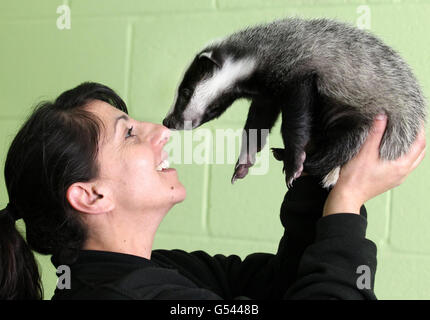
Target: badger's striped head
(209,86)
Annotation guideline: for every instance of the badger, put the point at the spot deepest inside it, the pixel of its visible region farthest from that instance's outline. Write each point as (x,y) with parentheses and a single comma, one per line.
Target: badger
(327,79)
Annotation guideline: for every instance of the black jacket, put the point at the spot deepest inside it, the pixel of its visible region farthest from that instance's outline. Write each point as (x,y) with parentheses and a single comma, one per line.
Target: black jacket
(317,258)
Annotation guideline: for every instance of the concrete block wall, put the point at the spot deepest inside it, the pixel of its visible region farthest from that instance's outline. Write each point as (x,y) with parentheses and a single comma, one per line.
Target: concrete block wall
(140,48)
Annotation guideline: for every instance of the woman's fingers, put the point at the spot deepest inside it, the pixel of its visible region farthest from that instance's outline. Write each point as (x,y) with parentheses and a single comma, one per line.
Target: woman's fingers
(419,159)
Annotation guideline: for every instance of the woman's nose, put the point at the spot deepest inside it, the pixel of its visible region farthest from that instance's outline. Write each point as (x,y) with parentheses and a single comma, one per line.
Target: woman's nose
(160,135)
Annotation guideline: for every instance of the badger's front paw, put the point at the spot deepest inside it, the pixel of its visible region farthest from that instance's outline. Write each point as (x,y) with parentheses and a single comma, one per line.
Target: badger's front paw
(293,174)
(242,167)
(293,165)
(294,177)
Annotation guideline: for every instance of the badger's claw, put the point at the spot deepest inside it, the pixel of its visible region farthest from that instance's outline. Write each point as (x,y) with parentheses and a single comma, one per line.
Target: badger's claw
(241,169)
(240,172)
(296,175)
(298,172)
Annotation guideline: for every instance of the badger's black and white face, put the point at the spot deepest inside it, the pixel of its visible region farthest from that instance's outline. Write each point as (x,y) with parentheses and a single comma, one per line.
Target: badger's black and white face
(208,88)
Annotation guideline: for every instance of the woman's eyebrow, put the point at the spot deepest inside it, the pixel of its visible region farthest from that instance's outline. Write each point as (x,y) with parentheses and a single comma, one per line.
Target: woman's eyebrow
(123,117)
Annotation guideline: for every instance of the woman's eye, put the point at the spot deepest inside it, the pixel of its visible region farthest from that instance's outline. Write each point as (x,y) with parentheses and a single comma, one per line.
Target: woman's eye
(129,131)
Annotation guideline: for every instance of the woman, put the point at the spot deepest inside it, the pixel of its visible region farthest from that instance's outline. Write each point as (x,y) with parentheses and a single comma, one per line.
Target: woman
(83,176)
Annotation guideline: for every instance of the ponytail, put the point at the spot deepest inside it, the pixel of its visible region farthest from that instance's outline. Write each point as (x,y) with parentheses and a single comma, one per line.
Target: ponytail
(19,275)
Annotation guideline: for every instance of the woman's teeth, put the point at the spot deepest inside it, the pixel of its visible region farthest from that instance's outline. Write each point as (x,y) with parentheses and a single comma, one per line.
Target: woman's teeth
(163,165)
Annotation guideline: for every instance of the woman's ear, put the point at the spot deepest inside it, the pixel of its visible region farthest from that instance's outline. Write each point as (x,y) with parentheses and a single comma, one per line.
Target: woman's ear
(90,199)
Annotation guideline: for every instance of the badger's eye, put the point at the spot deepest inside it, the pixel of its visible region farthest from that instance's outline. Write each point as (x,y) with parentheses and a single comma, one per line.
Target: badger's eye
(186,92)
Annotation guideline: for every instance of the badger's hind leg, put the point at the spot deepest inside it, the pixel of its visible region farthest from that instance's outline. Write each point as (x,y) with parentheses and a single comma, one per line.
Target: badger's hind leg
(332,152)
(279,154)
(338,133)
(396,141)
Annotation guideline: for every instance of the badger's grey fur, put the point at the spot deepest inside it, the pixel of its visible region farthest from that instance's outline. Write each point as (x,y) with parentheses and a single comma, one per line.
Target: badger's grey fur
(327,78)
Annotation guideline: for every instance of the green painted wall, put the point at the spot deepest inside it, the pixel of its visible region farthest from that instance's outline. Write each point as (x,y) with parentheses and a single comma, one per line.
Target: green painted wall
(140,48)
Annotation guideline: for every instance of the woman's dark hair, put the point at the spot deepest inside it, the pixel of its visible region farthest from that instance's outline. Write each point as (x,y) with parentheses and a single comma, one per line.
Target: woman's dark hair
(56,147)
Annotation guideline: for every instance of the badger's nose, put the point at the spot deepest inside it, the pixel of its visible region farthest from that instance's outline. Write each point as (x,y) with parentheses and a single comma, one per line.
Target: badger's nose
(166,122)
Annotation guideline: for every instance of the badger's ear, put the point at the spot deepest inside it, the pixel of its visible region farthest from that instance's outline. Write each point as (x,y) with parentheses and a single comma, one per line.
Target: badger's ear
(209,55)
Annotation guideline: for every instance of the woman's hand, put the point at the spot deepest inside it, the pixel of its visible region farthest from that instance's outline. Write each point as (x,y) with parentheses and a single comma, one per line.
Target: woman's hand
(366,175)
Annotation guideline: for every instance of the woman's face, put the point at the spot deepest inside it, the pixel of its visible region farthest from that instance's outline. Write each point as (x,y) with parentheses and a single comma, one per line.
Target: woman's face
(129,153)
